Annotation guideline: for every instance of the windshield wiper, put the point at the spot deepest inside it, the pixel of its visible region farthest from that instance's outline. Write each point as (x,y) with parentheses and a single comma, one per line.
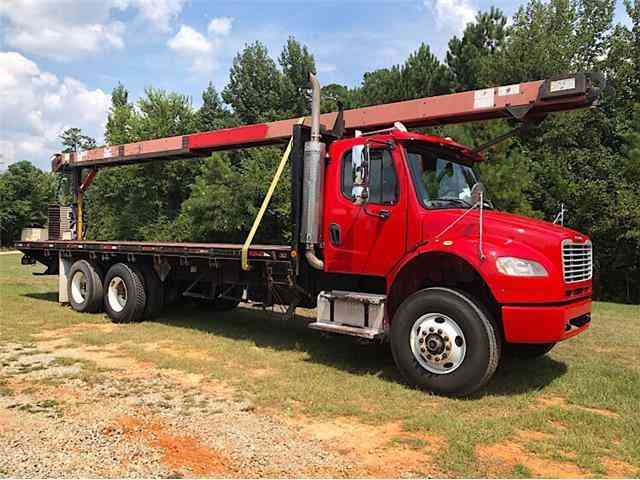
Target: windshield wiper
(457,201)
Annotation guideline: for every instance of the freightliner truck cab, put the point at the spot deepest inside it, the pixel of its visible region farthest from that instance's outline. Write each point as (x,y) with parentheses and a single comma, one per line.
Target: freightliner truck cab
(464,282)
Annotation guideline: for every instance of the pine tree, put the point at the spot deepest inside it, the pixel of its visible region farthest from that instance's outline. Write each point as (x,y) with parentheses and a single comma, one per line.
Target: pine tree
(254,85)
(296,63)
(121,120)
(213,114)
(74,140)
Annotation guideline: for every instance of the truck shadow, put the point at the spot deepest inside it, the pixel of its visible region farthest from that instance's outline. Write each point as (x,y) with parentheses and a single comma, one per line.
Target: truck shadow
(47,296)
(349,354)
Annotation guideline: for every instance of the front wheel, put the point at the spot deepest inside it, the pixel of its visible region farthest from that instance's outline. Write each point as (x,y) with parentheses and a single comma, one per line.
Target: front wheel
(443,342)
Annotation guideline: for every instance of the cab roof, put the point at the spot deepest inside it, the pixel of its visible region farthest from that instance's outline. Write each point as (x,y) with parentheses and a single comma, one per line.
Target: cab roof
(454,147)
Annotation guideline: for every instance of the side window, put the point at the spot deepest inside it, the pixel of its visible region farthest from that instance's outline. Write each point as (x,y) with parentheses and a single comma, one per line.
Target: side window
(383,183)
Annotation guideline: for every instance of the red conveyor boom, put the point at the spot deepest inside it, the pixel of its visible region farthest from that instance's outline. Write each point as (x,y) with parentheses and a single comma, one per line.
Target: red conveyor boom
(521,101)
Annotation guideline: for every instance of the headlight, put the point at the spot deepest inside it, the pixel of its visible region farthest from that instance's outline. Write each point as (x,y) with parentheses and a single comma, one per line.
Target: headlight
(519,267)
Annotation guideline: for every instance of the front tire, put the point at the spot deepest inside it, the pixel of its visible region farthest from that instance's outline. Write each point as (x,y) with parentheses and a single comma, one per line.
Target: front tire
(443,342)
(124,295)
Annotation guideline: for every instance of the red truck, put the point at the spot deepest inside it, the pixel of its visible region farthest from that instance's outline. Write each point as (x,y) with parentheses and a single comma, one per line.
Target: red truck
(393,238)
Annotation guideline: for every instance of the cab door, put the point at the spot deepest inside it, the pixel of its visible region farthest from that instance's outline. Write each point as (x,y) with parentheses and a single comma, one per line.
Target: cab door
(365,239)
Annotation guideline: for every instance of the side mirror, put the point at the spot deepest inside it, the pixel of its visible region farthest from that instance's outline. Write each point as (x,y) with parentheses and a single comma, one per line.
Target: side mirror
(360,164)
(477,191)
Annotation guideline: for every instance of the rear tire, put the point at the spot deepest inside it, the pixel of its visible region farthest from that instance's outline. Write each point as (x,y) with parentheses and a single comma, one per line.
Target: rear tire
(124,295)
(443,342)
(84,287)
(154,289)
(527,350)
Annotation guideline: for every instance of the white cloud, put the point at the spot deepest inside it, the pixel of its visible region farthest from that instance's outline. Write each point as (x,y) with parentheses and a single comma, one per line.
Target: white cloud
(189,42)
(160,13)
(61,29)
(41,106)
(65,30)
(453,14)
(68,42)
(201,51)
(220,26)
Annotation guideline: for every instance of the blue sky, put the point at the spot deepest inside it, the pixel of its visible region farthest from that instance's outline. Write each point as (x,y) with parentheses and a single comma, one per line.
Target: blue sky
(60,59)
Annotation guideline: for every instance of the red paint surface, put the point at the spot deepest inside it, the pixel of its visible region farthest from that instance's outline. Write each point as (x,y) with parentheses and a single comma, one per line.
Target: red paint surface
(373,246)
(247,135)
(542,324)
(369,244)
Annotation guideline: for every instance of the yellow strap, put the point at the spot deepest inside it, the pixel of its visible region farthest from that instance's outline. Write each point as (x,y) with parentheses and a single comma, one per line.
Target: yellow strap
(265,203)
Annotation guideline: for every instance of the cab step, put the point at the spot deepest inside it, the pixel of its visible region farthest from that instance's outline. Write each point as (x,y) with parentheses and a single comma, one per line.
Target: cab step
(351,313)
(369,333)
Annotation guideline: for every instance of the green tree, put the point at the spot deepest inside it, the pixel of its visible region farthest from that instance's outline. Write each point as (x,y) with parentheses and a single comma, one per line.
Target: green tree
(296,63)
(228,193)
(73,140)
(122,117)
(593,32)
(579,158)
(164,114)
(423,75)
(633,9)
(25,193)
(213,114)
(334,93)
(541,44)
(381,86)
(254,85)
(480,39)
(138,202)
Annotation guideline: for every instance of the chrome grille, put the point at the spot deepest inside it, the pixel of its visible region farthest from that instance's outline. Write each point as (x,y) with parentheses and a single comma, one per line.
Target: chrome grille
(577,261)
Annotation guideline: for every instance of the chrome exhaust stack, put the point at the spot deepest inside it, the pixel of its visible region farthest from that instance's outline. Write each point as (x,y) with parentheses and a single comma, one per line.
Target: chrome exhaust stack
(313,182)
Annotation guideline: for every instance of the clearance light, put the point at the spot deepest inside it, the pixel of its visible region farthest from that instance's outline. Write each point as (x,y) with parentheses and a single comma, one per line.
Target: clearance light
(519,267)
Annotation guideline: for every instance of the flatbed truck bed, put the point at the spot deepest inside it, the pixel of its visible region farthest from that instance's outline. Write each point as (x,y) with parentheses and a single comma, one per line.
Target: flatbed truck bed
(192,265)
(204,250)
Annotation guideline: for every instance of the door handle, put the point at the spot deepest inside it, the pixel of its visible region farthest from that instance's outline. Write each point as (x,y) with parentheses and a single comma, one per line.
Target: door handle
(384,214)
(334,234)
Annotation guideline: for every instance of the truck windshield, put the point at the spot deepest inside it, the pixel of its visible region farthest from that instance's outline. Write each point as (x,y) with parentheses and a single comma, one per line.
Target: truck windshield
(441,182)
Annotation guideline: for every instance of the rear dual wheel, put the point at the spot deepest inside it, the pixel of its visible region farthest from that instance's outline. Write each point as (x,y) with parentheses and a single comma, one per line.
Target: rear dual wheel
(132,293)
(124,295)
(84,287)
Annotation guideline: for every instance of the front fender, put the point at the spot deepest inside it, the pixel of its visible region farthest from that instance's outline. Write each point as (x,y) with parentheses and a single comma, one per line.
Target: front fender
(505,289)
(463,249)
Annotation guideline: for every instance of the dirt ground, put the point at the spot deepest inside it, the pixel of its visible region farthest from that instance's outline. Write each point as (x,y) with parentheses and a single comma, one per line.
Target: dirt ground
(62,417)
(79,411)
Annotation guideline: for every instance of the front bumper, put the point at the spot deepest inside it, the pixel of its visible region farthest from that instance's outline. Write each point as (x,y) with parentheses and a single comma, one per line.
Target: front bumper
(545,324)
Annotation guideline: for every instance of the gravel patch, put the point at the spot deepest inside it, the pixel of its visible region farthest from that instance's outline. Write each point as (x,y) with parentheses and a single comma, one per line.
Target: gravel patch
(53,423)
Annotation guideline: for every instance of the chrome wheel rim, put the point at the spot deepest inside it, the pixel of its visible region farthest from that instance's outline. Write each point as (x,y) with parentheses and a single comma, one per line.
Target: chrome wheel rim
(117,294)
(437,343)
(79,287)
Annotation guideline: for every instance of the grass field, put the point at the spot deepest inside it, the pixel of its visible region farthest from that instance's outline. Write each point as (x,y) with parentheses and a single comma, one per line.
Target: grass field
(578,407)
